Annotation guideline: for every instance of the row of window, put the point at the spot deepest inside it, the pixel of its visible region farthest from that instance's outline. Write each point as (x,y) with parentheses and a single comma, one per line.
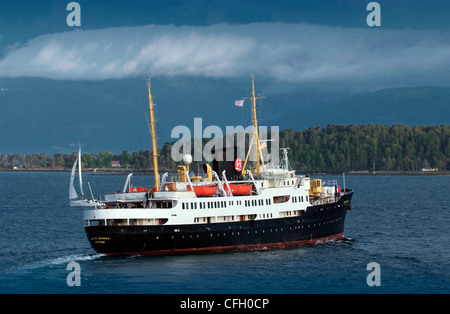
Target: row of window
(204,205)
(259,202)
(214,219)
(228,218)
(223,204)
(296,199)
(247,203)
(285,183)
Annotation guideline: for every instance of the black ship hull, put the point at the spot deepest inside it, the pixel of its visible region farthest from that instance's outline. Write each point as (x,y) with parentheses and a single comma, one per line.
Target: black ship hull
(318,223)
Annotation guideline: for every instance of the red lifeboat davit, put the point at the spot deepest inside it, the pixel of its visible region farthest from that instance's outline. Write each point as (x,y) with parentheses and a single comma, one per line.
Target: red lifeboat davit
(204,190)
(241,189)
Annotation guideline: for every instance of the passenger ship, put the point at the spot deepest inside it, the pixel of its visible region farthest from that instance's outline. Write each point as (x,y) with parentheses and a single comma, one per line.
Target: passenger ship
(245,210)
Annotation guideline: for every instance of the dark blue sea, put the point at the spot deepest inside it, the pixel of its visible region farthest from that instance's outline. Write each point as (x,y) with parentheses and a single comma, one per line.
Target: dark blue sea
(399,222)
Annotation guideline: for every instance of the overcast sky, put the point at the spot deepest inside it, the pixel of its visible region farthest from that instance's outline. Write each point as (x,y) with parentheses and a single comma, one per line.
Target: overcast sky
(316,52)
(285,41)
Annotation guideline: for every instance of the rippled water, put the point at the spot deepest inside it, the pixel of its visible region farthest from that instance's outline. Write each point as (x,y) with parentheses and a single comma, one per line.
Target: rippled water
(400,222)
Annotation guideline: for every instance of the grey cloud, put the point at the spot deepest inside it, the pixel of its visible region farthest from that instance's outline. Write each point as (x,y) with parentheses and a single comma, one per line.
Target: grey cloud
(282,52)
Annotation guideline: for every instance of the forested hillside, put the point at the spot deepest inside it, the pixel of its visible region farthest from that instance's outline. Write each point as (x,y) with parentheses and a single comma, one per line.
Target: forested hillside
(358,147)
(336,148)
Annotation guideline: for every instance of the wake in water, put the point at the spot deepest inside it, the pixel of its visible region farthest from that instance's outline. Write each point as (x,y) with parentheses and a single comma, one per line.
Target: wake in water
(64,260)
(343,241)
(347,240)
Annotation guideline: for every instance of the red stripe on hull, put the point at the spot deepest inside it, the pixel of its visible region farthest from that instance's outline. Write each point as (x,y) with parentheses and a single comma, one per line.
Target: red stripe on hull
(250,247)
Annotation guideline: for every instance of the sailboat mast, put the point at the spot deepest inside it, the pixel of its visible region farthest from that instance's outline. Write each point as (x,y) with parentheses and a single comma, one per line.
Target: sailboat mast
(79,172)
(153,130)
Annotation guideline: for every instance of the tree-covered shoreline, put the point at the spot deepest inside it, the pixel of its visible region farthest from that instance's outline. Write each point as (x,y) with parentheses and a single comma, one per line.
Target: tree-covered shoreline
(335,148)
(340,148)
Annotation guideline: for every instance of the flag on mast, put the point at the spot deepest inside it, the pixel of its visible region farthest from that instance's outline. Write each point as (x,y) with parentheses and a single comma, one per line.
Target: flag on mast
(239,103)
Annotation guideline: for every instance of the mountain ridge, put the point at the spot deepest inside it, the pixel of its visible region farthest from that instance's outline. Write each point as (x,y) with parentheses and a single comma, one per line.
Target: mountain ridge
(41,115)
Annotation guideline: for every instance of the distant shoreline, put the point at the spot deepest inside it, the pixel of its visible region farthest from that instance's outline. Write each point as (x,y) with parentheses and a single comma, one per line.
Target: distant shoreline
(118,172)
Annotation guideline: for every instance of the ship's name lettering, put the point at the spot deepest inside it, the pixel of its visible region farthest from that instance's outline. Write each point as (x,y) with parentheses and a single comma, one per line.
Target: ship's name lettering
(100,239)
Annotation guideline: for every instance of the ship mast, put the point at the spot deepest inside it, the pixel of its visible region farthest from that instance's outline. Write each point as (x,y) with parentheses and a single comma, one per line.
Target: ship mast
(153,131)
(255,124)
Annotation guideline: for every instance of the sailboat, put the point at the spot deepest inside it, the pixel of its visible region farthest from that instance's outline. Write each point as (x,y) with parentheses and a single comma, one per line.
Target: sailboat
(73,196)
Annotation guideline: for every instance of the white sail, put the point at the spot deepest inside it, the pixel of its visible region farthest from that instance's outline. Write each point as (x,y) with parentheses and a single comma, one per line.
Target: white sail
(72,193)
(79,173)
